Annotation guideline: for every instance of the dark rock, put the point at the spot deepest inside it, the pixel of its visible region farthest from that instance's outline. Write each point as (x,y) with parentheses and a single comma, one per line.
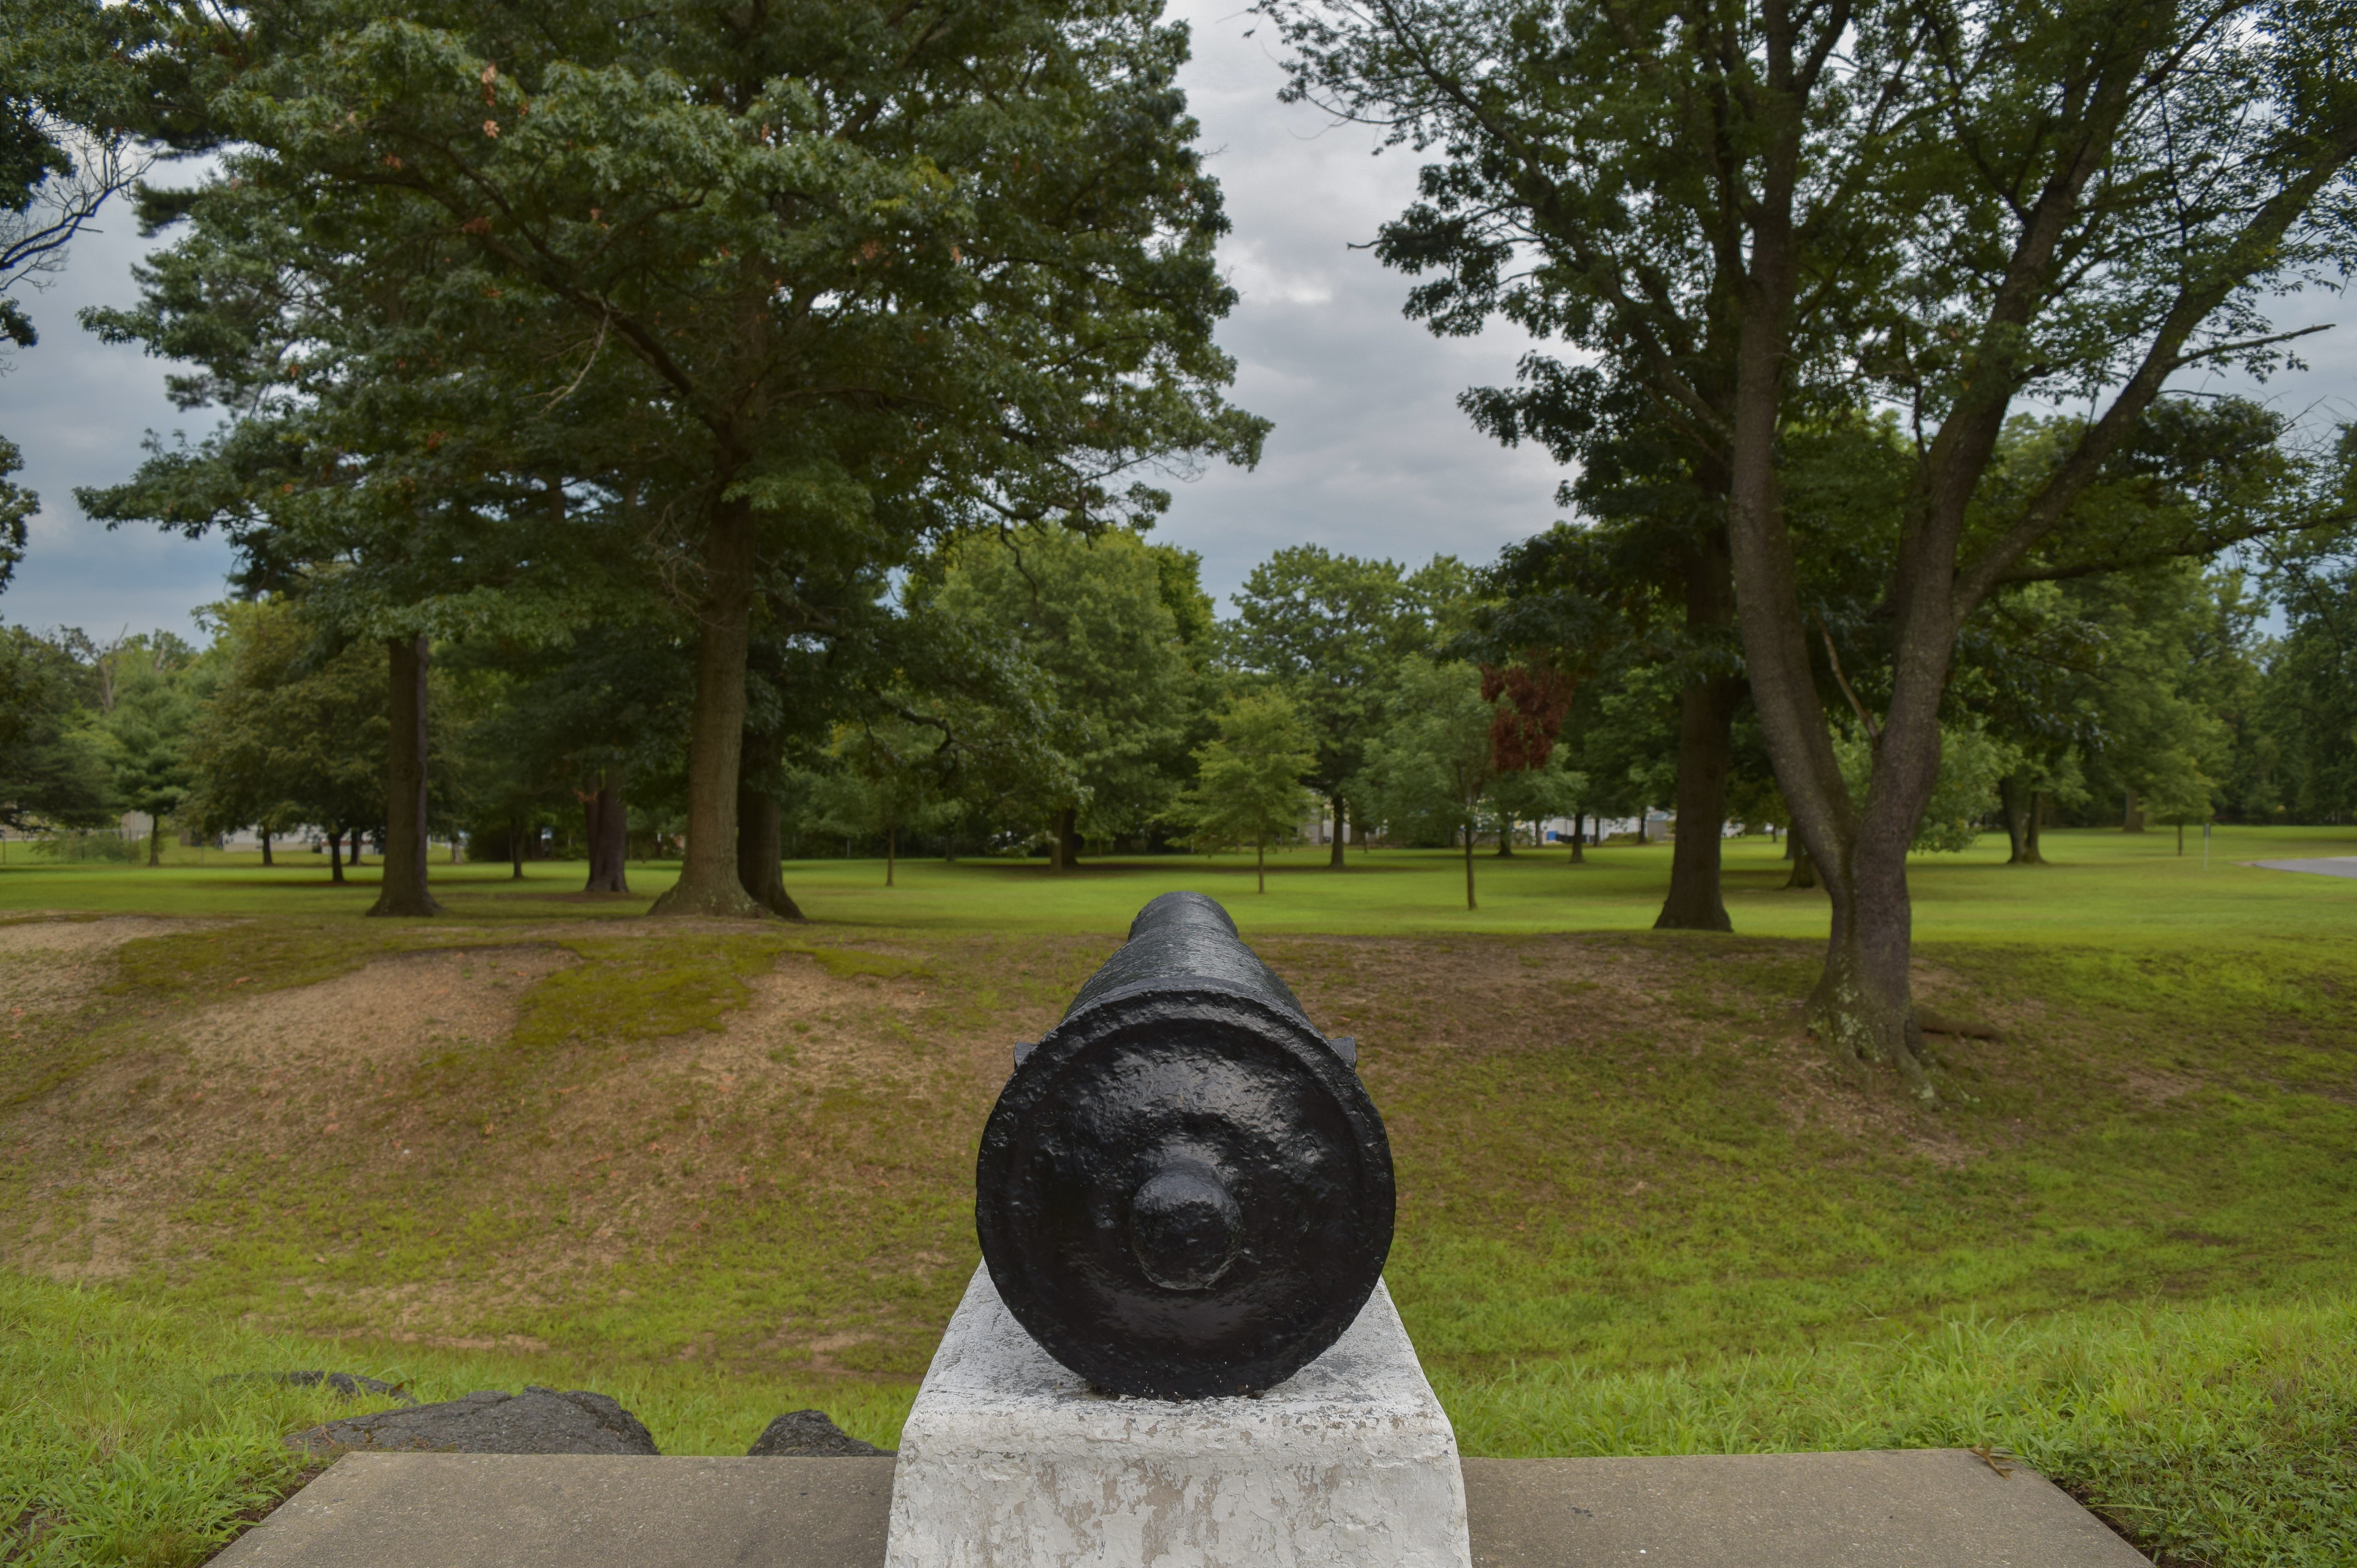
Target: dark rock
(808,1434)
(351,1385)
(537,1421)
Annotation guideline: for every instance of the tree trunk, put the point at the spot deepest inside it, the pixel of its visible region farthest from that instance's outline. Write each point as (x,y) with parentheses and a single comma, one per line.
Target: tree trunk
(709,881)
(1804,870)
(2180,838)
(2037,818)
(2131,815)
(1579,837)
(891,852)
(1260,860)
(336,857)
(610,835)
(1506,839)
(1861,1004)
(1068,838)
(1705,750)
(1342,835)
(760,853)
(2020,807)
(1706,755)
(1469,902)
(265,847)
(403,890)
(155,839)
(515,852)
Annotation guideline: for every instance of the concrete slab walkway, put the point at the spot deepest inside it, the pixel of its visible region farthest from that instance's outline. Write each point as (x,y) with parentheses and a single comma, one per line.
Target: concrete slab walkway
(2332,865)
(1918,1509)
(577,1510)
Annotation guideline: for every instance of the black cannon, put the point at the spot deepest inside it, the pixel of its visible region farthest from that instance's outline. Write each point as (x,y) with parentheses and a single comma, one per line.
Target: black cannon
(1183,1189)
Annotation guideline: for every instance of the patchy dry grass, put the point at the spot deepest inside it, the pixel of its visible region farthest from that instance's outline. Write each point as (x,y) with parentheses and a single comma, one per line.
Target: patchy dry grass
(674,1144)
(691,1143)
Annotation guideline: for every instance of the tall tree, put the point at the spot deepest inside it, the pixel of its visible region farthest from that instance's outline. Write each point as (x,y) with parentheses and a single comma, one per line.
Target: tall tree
(293,731)
(990,712)
(53,771)
(1332,632)
(1437,761)
(403,500)
(887,781)
(17,506)
(1530,707)
(1755,211)
(1645,583)
(147,722)
(1091,617)
(2308,704)
(2167,656)
(231,748)
(1248,777)
(826,652)
(563,726)
(802,240)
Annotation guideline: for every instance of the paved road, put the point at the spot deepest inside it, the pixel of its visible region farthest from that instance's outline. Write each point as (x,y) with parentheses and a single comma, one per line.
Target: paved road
(2342,865)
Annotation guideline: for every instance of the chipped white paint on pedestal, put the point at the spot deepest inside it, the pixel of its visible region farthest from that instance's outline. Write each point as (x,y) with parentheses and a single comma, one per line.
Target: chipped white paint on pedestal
(1010,1461)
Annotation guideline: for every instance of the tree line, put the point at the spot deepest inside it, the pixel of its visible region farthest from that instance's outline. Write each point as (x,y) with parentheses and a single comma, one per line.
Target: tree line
(725,374)
(1054,694)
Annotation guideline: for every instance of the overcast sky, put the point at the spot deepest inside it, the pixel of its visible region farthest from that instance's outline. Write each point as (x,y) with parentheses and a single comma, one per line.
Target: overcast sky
(1369,456)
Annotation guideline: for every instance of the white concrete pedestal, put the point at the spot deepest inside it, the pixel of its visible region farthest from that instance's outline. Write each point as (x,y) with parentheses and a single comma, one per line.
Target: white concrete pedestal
(1010,1461)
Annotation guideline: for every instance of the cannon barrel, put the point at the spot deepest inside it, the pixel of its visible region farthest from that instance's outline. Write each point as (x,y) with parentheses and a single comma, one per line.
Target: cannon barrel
(1183,1190)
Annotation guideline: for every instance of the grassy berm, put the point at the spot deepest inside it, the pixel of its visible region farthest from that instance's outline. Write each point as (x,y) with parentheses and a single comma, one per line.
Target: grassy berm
(725,1171)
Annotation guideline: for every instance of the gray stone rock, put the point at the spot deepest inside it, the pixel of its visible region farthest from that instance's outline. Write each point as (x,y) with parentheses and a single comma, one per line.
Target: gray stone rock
(808,1434)
(538,1421)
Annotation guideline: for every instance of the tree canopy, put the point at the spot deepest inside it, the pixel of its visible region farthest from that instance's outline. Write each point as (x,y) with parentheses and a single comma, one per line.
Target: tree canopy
(1248,777)
(824,286)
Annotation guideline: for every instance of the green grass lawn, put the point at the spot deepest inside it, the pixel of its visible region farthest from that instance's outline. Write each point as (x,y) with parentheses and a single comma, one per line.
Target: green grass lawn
(2103,887)
(721,1171)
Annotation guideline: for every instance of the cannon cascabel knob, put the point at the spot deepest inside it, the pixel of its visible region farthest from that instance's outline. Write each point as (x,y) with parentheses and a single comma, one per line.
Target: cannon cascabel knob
(1183,1190)
(1185,1225)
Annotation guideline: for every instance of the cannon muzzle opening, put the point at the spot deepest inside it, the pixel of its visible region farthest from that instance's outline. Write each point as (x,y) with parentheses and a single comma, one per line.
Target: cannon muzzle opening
(1183,1189)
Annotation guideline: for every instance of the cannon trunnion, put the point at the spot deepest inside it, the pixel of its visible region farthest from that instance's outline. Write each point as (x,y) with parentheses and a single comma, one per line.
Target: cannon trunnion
(1183,1189)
